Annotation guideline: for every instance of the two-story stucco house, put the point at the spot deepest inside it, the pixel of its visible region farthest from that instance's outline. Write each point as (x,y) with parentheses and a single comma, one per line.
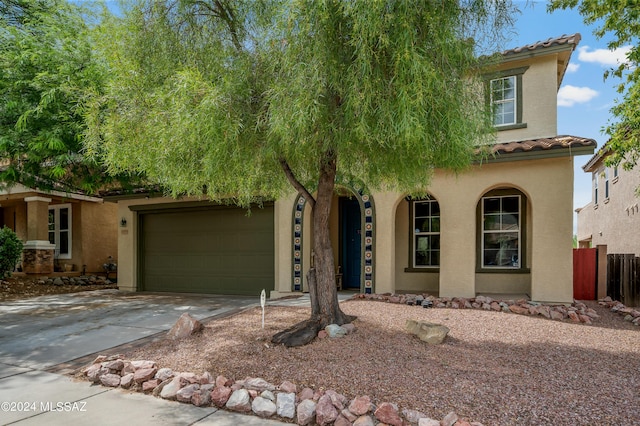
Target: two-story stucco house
(503,226)
(611,221)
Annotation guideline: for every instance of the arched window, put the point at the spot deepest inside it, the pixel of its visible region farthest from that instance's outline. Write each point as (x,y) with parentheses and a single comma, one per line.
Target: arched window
(502,230)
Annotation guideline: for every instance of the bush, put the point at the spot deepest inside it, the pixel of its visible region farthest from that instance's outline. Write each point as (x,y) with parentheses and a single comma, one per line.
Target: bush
(10,251)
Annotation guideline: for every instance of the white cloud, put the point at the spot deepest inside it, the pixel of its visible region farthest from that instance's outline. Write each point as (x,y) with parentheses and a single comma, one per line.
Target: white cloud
(570,95)
(604,56)
(573,67)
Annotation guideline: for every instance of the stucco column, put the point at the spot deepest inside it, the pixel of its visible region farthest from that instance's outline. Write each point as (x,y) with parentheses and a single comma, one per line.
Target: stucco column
(551,264)
(385,238)
(38,252)
(457,243)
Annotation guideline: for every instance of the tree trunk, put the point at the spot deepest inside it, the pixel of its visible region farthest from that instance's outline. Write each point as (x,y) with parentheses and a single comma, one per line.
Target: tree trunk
(325,309)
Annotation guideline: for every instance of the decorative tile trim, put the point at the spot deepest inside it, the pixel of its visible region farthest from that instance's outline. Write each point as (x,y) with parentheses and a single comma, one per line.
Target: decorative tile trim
(297,223)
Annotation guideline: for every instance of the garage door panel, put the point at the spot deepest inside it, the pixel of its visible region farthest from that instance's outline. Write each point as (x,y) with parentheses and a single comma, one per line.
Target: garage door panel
(208,251)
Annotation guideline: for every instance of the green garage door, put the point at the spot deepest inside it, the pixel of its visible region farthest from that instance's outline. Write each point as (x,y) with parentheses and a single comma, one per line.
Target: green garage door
(217,250)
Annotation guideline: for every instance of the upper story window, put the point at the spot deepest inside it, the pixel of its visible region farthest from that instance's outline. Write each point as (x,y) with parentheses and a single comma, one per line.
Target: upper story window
(606,183)
(504,96)
(503,100)
(595,189)
(426,233)
(60,229)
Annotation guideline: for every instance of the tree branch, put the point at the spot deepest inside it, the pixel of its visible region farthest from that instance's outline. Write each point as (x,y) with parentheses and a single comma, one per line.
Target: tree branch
(296,184)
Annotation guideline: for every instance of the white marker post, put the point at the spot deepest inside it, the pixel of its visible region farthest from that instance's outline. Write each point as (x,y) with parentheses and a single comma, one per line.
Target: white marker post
(263,299)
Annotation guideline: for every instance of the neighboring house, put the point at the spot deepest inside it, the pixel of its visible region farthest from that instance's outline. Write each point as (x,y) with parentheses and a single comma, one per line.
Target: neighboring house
(503,226)
(60,231)
(611,221)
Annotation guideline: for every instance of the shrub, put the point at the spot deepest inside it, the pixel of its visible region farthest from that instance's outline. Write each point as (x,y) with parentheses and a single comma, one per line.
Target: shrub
(10,251)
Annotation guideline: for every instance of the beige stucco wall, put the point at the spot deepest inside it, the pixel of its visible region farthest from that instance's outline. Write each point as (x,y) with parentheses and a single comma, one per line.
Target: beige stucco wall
(94,234)
(611,221)
(99,230)
(15,217)
(539,93)
(549,234)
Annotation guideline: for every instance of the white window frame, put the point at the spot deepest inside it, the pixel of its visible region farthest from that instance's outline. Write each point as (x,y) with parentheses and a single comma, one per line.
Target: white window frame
(500,231)
(415,233)
(606,183)
(504,101)
(595,189)
(57,231)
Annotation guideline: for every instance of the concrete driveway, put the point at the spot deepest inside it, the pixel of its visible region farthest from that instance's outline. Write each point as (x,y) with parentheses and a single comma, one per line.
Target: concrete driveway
(45,331)
(49,334)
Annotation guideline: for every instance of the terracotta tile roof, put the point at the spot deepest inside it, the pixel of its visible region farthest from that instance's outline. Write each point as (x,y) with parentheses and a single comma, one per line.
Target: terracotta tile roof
(572,39)
(542,144)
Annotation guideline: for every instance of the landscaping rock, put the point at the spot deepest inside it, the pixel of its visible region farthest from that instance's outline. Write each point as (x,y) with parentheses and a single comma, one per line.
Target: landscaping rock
(341,421)
(286,405)
(110,380)
(306,412)
(334,330)
(144,374)
(427,332)
(126,380)
(428,422)
(360,405)
(307,393)
(450,419)
(150,385)
(220,395)
(268,395)
(263,407)
(326,412)
(185,326)
(170,390)
(388,413)
(239,401)
(202,397)
(258,384)
(364,421)
(288,387)
(185,393)
(164,374)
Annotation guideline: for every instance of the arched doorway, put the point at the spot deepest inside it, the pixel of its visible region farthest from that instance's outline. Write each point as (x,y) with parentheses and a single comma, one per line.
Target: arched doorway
(355,248)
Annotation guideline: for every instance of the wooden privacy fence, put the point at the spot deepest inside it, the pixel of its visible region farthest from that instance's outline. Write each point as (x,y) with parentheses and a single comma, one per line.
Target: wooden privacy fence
(623,278)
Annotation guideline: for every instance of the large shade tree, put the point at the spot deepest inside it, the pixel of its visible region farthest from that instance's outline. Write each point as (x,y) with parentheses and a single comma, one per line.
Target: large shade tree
(241,100)
(619,20)
(47,67)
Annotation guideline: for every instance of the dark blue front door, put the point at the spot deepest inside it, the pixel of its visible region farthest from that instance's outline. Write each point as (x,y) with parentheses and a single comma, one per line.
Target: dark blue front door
(351,229)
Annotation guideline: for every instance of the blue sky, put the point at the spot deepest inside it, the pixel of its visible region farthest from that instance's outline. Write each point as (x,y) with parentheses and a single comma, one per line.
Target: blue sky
(584,99)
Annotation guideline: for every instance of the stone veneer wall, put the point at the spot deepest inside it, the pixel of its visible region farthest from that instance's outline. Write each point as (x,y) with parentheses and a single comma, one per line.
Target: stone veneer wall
(37,261)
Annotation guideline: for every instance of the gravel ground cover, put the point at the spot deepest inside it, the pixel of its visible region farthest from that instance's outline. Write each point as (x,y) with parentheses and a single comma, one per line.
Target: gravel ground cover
(16,288)
(495,368)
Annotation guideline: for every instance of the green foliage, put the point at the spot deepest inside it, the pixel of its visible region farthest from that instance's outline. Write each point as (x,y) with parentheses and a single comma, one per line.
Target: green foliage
(620,19)
(10,251)
(217,96)
(47,67)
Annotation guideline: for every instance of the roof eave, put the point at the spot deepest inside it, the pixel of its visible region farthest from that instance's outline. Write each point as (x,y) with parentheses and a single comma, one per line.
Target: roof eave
(540,154)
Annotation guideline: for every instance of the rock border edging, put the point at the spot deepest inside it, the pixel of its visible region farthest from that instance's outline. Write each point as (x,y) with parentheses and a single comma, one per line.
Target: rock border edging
(309,407)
